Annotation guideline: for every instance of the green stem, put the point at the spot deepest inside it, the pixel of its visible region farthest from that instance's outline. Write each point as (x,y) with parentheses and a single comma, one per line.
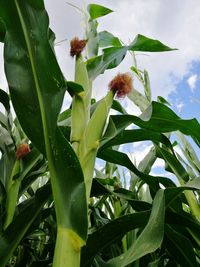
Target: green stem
(117,208)
(12,195)
(194,206)
(66,252)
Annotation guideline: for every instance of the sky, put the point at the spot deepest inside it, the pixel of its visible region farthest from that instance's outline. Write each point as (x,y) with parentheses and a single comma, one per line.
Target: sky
(174,75)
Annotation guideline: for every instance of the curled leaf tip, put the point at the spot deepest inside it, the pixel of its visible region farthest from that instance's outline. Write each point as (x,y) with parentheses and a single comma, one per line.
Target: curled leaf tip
(122,84)
(22,151)
(77,46)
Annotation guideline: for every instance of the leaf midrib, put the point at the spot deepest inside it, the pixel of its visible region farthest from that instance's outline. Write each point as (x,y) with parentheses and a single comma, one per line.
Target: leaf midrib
(35,77)
(43,116)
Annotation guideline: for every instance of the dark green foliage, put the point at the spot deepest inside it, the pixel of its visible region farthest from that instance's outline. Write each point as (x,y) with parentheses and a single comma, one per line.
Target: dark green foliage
(133,218)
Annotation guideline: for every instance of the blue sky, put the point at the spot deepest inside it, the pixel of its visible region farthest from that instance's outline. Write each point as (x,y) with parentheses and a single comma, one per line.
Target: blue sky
(186,98)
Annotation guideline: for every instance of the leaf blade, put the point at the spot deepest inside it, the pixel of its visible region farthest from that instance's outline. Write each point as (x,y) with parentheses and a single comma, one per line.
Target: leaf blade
(37,88)
(97,11)
(146,44)
(149,240)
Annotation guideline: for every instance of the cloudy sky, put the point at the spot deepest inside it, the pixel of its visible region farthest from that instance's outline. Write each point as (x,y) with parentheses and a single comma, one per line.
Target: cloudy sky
(174,75)
(173,22)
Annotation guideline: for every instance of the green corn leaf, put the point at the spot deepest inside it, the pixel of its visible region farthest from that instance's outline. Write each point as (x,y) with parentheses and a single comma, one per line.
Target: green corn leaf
(138,99)
(138,73)
(5,100)
(110,58)
(108,39)
(97,11)
(2,30)
(180,248)
(21,223)
(162,100)
(189,152)
(37,88)
(172,193)
(188,167)
(122,159)
(20,170)
(2,197)
(160,118)
(149,240)
(40,169)
(143,43)
(182,175)
(118,107)
(92,37)
(195,183)
(174,164)
(130,136)
(144,166)
(154,263)
(113,230)
(147,87)
(8,156)
(4,121)
(113,56)
(147,162)
(74,88)
(182,219)
(112,130)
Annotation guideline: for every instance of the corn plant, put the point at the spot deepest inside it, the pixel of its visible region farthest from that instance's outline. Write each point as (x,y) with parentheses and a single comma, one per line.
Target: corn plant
(57,207)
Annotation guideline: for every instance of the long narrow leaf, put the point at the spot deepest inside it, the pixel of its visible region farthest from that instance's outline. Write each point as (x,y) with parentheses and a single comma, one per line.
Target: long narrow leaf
(143,43)
(111,232)
(21,223)
(160,118)
(180,248)
(149,240)
(97,11)
(37,88)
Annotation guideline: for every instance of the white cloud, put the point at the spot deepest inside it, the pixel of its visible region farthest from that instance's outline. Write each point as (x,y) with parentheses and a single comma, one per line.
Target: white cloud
(179,105)
(192,80)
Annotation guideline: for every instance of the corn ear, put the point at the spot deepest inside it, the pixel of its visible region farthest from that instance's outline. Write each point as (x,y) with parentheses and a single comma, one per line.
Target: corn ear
(92,135)
(80,104)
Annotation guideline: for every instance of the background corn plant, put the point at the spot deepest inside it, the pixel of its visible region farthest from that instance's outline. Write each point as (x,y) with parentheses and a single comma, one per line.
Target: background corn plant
(56,207)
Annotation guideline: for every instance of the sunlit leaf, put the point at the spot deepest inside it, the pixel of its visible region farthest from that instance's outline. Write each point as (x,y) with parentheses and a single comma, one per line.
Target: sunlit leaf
(108,39)
(143,43)
(149,240)
(110,58)
(160,118)
(147,87)
(37,89)
(97,11)
(138,99)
